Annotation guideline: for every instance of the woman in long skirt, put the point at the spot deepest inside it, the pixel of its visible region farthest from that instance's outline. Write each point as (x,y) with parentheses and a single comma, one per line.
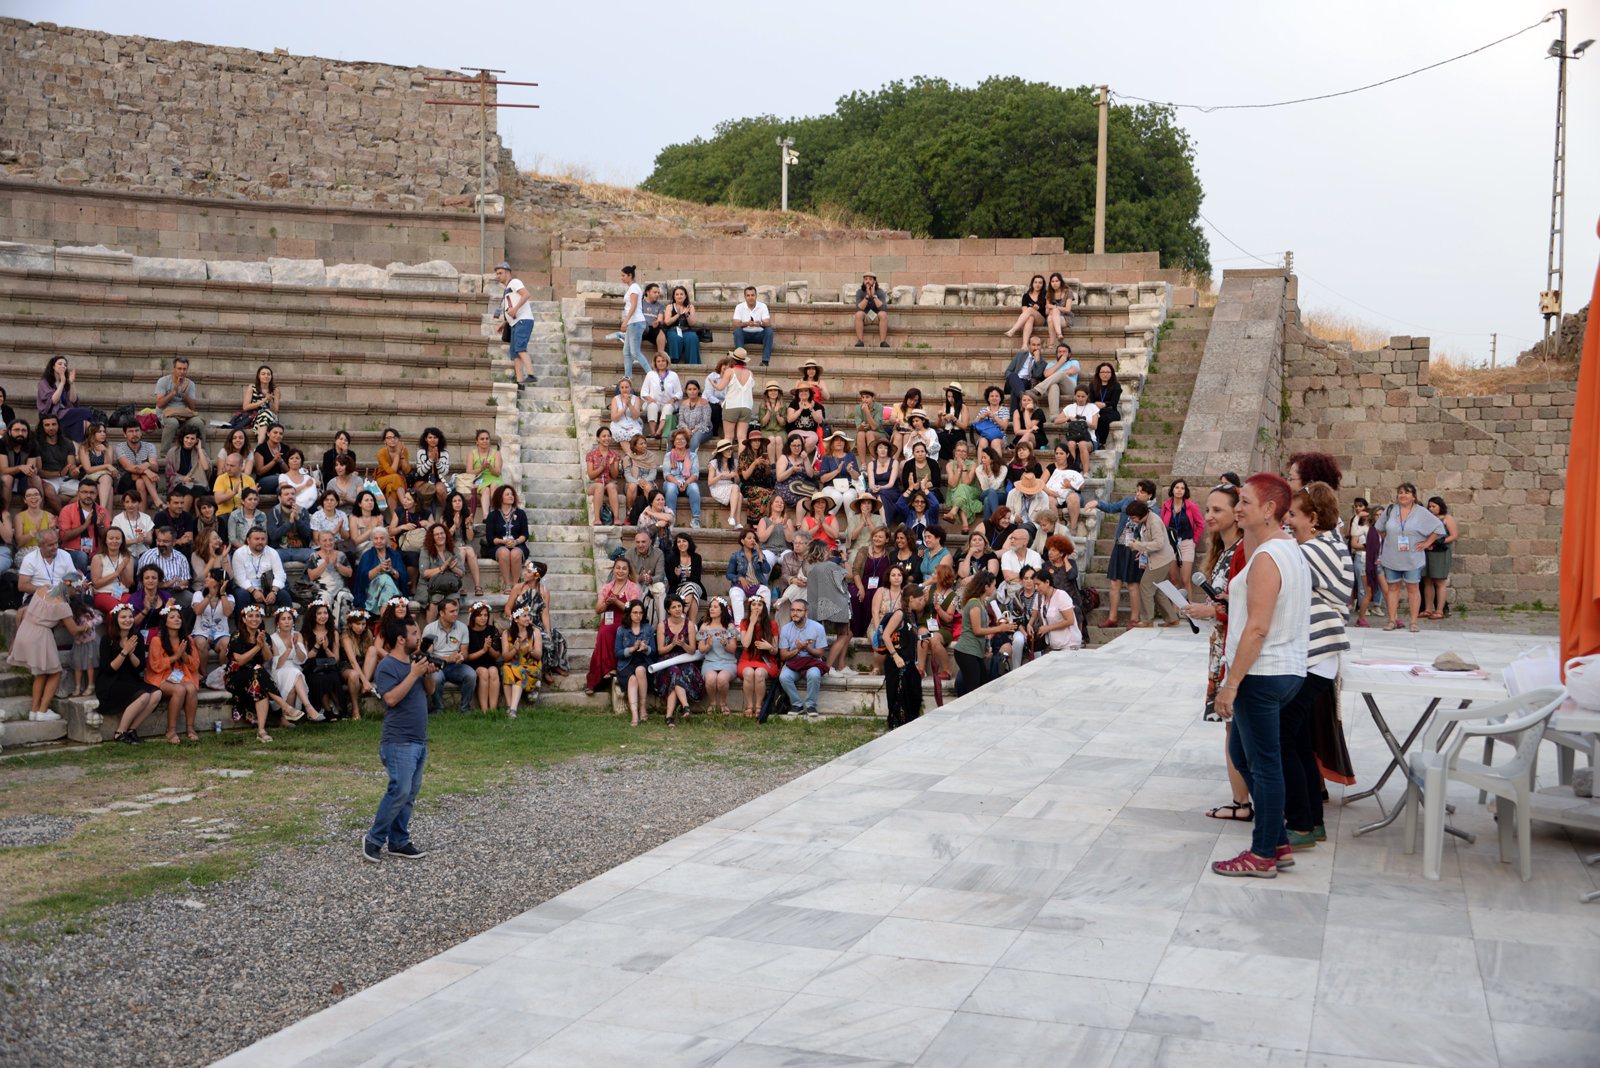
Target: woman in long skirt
(902,681)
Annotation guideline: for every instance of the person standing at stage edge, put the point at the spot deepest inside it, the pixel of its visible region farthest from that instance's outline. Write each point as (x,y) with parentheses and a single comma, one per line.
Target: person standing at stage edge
(404,680)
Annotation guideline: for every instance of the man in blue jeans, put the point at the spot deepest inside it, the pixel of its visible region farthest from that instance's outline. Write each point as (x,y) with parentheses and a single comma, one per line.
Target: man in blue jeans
(752,325)
(450,639)
(514,307)
(805,638)
(404,680)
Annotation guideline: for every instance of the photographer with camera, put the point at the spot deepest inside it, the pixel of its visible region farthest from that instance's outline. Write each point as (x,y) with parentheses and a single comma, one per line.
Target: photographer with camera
(403,746)
(444,644)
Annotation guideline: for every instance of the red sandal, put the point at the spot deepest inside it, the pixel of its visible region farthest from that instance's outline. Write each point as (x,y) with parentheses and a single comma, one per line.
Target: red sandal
(1249,865)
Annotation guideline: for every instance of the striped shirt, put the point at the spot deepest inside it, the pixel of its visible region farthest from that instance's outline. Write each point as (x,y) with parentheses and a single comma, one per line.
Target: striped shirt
(1333,576)
(174,566)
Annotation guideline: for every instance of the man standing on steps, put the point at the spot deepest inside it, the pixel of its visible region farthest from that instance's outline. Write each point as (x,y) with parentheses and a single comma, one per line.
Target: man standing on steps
(871,301)
(404,680)
(1027,367)
(514,306)
(752,322)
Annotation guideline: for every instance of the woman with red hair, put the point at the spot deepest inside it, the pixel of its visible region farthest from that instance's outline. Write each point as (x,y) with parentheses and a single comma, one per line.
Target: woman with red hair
(1269,635)
(1308,467)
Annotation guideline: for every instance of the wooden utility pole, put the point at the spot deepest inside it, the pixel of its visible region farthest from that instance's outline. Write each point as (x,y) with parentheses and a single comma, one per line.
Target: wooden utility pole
(1100,175)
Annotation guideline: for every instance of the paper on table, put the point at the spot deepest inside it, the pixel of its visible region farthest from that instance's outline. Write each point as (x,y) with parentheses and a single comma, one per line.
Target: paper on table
(1388,665)
(1173,594)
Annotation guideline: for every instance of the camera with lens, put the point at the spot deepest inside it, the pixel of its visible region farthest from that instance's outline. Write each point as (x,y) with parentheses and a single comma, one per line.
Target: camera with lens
(424,652)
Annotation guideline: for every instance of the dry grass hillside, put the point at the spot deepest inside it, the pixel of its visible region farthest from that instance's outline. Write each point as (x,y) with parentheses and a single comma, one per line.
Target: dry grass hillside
(1449,372)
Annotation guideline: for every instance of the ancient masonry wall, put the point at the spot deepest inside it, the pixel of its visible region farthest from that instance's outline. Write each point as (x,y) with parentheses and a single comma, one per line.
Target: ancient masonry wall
(84,108)
(1499,461)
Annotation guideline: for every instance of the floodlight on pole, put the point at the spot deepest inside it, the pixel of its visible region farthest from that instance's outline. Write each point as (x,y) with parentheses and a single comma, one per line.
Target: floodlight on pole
(1551,300)
(787,155)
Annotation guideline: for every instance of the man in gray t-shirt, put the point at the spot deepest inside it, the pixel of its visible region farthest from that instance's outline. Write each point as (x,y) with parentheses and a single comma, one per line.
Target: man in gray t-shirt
(138,471)
(450,640)
(175,401)
(403,681)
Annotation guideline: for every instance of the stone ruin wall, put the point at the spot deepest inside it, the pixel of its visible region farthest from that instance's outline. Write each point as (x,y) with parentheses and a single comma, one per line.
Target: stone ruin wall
(90,109)
(1499,461)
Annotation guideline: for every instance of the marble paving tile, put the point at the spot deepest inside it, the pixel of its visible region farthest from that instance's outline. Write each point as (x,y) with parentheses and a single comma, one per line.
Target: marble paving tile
(690,878)
(1236,972)
(851,1027)
(683,913)
(897,980)
(1092,958)
(1072,803)
(1259,900)
(486,948)
(1333,1060)
(1273,938)
(1543,928)
(954,943)
(1107,920)
(749,1055)
(748,852)
(981,805)
(1103,887)
(309,1037)
(1055,998)
(1402,1032)
(909,843)
(997,878)
(976,1040)
(607,945)
(785,924)
(484,1037)
(1367,946)
(1187,1012)
(877,868)
(841,895)
(1528,1046)
(983,908)
(668,1003)
(546,987)
(597,1045)
(766,965)
(1177,864)
(1547,986)
(1140,1050)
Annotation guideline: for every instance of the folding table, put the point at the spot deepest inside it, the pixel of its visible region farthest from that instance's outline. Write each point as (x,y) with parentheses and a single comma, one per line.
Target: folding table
(1371,681)
(1561,805)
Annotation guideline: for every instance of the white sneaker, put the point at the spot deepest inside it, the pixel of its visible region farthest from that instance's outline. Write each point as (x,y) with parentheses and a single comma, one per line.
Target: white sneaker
(847,671)
(47,717)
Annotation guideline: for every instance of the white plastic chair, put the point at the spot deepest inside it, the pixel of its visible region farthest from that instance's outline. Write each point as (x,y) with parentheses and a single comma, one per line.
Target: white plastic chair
(1432,770)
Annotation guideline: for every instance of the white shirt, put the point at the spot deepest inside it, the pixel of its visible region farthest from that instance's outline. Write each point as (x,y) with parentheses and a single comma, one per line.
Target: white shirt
(1284,650)
(248,568)
(44,574)
(514,289)
(637,293)
(928,437)
(1063,480)
(1086,412)
(658,389)
(713,392)
(743,313)
(1057,608)
(1014,564)
(135,532)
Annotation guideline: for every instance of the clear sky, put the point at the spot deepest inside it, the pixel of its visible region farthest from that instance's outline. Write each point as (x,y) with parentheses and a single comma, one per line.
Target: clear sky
(1422,206)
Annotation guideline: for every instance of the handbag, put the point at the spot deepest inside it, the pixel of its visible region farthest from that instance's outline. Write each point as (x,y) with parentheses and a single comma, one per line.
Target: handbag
(124,416)
(505,330)
(704,334)
(319,664)
(465,484)
(411,540)
(446,582)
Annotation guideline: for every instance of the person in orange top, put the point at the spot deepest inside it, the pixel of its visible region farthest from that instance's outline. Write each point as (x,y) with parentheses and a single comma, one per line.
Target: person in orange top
(174,667)
(394,464)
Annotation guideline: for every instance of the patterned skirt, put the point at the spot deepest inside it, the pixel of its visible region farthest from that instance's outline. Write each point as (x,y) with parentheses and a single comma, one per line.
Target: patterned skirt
(686,676)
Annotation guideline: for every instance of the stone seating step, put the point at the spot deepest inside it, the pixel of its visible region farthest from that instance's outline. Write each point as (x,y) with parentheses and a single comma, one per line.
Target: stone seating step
(609,309)
(175,336)
(243,359)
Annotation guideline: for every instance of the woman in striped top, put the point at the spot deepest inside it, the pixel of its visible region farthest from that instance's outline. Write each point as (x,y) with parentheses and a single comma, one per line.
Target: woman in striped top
(1314,520)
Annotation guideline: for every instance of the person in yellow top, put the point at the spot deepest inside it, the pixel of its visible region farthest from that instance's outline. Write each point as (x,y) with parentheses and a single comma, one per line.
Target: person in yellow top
(228,489)
(393,465)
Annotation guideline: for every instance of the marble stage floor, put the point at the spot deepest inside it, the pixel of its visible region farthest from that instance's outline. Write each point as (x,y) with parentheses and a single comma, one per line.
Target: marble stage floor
(1021,879)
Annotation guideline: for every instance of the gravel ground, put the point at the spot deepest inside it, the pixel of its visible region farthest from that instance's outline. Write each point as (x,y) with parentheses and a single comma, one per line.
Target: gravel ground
(34,830)
(184,981)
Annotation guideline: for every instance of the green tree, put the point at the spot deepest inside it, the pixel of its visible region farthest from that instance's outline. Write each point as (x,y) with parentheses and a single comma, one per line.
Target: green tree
(1009,158)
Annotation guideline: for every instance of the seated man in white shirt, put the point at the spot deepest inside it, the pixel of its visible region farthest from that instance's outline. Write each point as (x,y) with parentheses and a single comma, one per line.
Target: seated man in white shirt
(258,576)
(1016,557)
(44,566)
(752,322)
(1080,418)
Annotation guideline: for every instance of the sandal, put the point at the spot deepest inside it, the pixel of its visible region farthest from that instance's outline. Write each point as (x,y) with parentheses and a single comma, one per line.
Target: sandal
(1391,625)
(1231,810)
(1415,629)
(263,736)
(173,739)
(192,736)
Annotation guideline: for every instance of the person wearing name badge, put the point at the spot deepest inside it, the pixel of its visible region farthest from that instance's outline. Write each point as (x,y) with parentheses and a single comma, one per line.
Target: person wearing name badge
(1408,530)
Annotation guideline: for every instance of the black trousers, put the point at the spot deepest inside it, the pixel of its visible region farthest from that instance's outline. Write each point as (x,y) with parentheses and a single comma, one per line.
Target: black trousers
(1302,777)
(972,672)
(903,691)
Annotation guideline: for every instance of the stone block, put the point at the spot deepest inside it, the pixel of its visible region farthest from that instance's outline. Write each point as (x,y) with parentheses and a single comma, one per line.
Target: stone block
(355,276)
(169,267)
(688,284)
(931,295)
(94,259)
(768,295)
(434,276)
(239,271)
(27,257)
(903,295)
(287,272)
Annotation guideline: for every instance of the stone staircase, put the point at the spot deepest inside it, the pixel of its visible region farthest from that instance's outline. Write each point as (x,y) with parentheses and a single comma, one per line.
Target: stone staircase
(1153,429)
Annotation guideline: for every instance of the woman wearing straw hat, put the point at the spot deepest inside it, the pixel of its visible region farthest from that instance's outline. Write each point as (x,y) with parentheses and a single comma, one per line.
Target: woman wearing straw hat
(920,431)
(757,480)
(738,401)
(865,517)
(795,471)
(722,480)
(806,416)
(839,471)
(773,418)
(811,375)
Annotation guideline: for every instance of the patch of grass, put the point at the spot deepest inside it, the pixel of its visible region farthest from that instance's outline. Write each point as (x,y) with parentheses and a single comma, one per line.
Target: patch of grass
(924,345)
(309,784)
(431,330)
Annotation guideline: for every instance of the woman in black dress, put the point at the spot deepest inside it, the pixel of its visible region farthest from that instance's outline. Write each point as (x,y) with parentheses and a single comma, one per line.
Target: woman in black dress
(483,655)
(1105,393)
(684,567)
(324,681)
(246,673)
(119,684)
(902,682)
(1031,317)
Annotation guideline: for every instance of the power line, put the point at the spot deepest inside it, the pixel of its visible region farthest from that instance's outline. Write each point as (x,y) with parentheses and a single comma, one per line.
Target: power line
(1236,244)
(1347,92)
